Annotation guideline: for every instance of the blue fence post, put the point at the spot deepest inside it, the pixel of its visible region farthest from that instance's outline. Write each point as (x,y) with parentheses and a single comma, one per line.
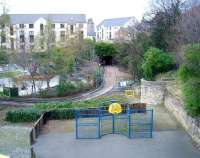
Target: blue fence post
(113,124)
(76,116)
(99,124)
(151,136)
(129,123)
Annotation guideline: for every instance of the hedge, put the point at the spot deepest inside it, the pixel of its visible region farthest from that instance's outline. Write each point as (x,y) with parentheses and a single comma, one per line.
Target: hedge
(156,61)
(55,110)
(189,74)
(23,115)
(53,106)
(62,114)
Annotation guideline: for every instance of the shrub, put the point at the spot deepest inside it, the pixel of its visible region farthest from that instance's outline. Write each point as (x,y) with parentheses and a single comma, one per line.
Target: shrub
(53,106)
(2,94)
(57,110)
(189,74)
(23,115)
(156,61)
(191,93)
(62,114)
(66,88)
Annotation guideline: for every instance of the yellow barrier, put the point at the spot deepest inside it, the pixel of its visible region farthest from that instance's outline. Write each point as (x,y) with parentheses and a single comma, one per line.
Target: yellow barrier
(129,93)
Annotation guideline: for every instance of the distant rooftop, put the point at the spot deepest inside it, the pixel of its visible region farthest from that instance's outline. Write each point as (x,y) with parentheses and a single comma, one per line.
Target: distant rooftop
(55,18)
(115,22)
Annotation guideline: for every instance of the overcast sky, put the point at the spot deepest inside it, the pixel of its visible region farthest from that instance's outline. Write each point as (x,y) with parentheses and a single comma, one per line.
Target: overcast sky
(96,9)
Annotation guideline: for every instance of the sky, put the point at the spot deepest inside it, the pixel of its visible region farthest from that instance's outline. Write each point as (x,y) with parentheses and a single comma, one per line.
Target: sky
(96,9)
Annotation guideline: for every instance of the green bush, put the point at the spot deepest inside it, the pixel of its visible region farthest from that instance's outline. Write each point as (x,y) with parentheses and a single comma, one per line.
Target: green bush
(104,49)
(53,106)
(189,74)
(191,96)
(57,110)
(66,88)
(2,94)
(62,114)
(156,61)
(23,115)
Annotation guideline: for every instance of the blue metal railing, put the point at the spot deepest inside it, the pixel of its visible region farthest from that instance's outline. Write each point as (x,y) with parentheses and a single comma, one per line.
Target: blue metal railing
(95,123)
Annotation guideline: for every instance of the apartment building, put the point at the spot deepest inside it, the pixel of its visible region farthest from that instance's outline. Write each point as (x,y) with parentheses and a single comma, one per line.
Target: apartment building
(108,29)
(25,28)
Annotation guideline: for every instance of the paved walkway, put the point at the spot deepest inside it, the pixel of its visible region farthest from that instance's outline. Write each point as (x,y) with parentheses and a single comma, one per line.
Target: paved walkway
(166,144)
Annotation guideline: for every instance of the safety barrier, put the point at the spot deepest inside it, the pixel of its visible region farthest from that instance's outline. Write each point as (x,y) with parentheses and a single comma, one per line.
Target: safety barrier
(95,123)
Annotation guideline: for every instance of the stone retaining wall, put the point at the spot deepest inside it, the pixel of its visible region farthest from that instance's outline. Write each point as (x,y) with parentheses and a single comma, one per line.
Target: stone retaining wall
(175,106)
(152,92)
(14,142)
(155,92)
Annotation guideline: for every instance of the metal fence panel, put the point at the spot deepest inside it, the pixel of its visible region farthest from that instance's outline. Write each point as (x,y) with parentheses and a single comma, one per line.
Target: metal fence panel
(95,123)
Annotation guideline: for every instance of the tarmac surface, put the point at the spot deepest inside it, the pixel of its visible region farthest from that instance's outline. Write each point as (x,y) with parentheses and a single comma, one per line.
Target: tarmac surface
(164,144)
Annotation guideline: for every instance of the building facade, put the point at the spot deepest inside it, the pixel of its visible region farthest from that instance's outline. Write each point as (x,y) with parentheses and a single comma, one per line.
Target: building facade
(108,29)
(25,28)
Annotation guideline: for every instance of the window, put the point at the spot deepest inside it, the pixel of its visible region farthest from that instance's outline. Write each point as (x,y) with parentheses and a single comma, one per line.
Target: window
(31,38)
(53,37)
(21,26)
(11,30)
(81,34)
(31,26)
(22,38)
(41,26)
(62,25)
(12,43)
(110,35)
(80,26)
(71,29)
(41,29)
(62,35)
(3,38)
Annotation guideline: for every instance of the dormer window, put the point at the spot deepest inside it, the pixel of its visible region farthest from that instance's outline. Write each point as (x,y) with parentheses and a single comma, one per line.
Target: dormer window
(31,26)
(62,25)
(21,26)
(71,29)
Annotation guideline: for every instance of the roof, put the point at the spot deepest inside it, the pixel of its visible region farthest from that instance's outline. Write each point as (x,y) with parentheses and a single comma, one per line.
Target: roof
(115,22)
(56,18)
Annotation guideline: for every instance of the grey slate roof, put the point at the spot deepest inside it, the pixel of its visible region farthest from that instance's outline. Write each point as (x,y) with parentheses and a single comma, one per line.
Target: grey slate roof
(114,22)
(55,18)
